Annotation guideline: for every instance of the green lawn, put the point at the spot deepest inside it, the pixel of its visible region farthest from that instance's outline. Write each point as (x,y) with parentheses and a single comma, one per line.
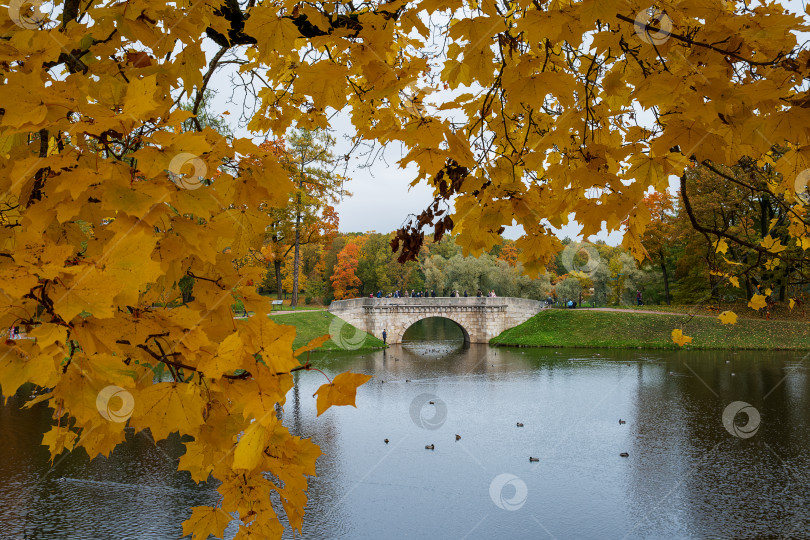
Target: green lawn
(583,328)
(780,311)
(312,324)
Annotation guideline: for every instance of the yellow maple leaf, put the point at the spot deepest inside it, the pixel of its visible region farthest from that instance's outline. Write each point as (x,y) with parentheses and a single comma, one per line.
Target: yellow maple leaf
(325,82)
(341,391)
(721,246)
(168,407)
(250,447)
(792,303)
(104,438)
(274,34)
(58,439)
(647,170)
(772,244)
(679,338)
(229,357)
(206,520)
(757,301)
(314,344)
(139,101)
(728,317)
(17,367)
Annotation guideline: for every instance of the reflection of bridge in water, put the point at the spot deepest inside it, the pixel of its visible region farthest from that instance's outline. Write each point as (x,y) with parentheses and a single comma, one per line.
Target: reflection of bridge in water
(480,319)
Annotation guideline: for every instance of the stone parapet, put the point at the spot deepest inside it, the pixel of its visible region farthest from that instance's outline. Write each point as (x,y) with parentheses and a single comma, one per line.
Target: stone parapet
(480,319)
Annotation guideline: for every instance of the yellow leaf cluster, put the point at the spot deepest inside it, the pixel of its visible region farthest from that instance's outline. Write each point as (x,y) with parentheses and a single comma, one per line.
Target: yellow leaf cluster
(728,317)
(679,338)
(757,301)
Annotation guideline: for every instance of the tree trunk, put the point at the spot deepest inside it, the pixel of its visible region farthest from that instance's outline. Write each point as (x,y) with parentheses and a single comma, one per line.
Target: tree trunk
(279,290)
(666,281)
(296,256)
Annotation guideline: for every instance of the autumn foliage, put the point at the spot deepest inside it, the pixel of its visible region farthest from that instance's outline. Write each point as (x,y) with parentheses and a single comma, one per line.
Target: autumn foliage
(344,278)
(108,201)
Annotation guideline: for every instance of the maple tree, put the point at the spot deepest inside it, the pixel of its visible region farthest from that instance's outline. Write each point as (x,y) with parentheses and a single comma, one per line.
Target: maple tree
(108,202)
(344,277)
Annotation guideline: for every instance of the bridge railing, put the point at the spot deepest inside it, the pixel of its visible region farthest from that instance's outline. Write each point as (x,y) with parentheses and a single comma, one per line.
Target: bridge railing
(358,303)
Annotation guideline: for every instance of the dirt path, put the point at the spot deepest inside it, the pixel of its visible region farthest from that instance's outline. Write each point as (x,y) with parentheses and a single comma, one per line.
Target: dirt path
(285,312)
(296,311)
(623,310)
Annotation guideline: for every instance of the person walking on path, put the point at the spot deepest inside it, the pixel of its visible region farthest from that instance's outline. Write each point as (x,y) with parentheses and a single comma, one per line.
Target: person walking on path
(638,297)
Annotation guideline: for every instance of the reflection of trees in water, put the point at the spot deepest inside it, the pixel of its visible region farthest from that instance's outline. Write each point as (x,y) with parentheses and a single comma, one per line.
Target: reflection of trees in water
(323,497)
(688,469)
(136,492)
(434,329)
(23,460)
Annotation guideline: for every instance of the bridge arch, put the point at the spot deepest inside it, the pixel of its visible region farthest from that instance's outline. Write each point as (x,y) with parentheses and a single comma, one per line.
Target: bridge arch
(481,318)
(407,323)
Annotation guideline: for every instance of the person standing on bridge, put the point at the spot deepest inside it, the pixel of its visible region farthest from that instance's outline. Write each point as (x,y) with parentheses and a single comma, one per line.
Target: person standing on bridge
(385,336)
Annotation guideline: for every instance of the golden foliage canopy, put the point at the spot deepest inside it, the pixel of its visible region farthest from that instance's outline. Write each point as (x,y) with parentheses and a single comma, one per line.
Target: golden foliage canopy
(534,112)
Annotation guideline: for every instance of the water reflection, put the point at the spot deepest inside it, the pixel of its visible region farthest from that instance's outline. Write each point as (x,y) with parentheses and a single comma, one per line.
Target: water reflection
(685,475)
(135,493)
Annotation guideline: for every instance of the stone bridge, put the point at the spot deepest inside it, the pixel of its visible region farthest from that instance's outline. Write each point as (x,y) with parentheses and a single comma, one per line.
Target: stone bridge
(480,319)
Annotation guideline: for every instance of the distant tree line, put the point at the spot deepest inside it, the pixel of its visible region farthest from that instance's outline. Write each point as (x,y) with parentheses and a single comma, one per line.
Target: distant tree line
(683,264)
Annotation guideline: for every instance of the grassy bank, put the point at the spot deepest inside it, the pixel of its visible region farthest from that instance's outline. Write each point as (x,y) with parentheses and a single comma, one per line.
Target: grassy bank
(779,312)
(583,328)
(312,324)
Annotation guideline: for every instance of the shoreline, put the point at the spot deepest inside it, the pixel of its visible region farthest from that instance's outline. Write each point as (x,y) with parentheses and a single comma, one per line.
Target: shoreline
(594,329)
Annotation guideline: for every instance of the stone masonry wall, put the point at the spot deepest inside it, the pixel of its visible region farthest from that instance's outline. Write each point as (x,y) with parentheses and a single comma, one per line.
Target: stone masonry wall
(481,319)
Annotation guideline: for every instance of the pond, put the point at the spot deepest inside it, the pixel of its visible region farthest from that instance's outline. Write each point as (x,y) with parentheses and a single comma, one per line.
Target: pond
(716,445)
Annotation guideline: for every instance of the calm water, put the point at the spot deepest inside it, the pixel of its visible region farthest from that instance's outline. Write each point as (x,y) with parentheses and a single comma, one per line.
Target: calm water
(686,475)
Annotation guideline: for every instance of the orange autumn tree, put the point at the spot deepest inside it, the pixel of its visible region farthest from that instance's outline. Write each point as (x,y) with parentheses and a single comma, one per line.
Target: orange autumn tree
(344,278)
(509,253)
(554,111)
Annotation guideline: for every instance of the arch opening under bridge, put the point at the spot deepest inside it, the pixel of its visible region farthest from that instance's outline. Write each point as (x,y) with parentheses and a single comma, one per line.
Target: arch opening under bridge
(464,334)
(480,318)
